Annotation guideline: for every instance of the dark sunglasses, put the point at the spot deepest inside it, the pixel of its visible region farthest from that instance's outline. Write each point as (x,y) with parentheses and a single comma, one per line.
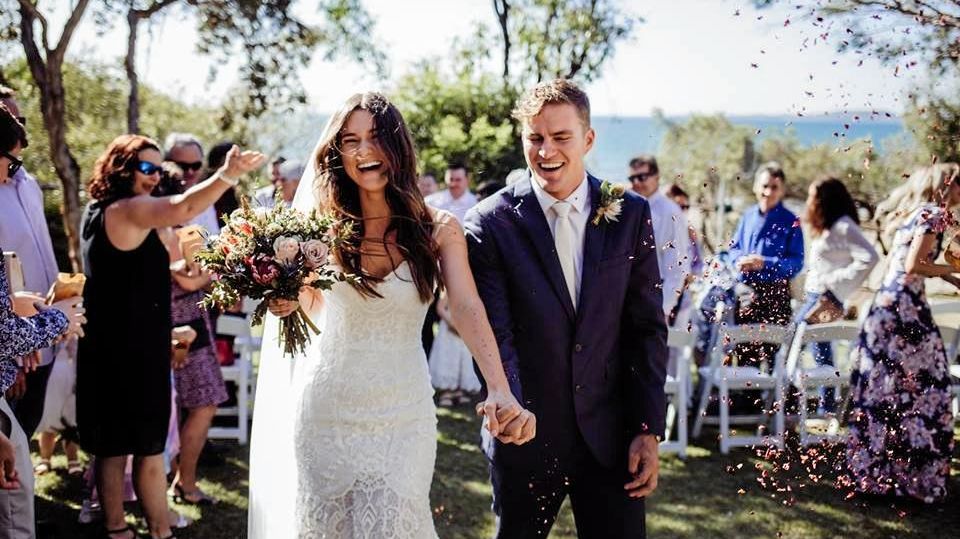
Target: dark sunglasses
(22,120)
(640,177)
(14,165)
(148,168)
(684,207)
(196,165)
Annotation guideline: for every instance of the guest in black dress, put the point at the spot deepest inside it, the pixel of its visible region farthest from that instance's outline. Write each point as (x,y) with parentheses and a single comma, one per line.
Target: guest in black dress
(123,367)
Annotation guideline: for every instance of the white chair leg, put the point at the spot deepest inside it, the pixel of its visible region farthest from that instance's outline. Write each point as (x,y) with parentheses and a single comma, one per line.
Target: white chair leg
(780,416)
(243,389)
(802,403)
(724,397)
(702,406)
(671,418)
(682,420)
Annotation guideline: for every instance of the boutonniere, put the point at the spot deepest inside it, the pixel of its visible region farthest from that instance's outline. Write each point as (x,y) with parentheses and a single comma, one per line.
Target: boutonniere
(611,203)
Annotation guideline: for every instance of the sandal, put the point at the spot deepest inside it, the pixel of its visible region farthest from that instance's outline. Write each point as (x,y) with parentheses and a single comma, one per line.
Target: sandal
(445,401)
(42,467)
(181,496)
(109,534)
(74,467)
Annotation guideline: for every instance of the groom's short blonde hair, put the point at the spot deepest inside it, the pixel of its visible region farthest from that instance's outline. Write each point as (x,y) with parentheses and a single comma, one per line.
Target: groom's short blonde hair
(549,93)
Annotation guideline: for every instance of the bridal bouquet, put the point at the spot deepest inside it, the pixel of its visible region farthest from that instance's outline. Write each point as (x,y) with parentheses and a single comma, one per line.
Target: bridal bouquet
(270,255)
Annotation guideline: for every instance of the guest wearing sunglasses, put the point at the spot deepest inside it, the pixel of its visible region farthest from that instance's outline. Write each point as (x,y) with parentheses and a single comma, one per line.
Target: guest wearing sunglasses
(23,229)
(185,150)
(669,229)
(123,367)
(767,252)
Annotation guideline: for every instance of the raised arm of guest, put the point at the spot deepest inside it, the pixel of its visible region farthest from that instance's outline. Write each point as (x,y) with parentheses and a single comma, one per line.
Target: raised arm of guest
(124,178)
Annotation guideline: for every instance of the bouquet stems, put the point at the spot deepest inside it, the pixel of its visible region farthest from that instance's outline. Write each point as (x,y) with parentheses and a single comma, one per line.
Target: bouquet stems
(295,332)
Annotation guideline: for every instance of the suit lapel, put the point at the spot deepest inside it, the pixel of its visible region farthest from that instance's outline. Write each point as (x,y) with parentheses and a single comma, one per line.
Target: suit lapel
(530,218)
(593,238)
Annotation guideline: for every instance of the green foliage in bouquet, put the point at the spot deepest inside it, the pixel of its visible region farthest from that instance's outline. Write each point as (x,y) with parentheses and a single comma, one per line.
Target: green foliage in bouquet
(271,254)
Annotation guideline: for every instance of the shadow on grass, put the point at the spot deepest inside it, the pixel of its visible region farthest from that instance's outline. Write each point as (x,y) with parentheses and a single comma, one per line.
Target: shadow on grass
(699,497)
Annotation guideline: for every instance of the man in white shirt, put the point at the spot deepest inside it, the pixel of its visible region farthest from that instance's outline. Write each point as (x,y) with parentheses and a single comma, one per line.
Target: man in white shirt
(456,198)
(669,228)
(286,181)
(186,152)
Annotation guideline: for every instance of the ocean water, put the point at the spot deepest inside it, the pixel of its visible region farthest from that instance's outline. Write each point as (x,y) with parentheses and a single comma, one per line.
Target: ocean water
(621,138)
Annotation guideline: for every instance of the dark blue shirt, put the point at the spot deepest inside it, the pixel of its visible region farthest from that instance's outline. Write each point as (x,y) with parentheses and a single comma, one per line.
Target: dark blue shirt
(776,236)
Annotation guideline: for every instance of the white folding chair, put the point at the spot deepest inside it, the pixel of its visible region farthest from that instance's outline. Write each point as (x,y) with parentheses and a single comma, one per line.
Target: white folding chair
(681,343)
(239,373)
(726,378)
(947,316)
(806,379)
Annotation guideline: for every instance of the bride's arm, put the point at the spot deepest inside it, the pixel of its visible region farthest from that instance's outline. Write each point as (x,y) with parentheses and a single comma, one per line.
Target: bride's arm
(470,318)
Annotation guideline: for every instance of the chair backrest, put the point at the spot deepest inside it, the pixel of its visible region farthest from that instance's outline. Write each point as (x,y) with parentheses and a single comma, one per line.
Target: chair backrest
(946,314)
(233,325)
(248,305)
(842,331)
(731,335)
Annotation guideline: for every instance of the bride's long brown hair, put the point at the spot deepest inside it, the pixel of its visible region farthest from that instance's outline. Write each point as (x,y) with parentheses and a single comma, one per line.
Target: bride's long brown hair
(410,218)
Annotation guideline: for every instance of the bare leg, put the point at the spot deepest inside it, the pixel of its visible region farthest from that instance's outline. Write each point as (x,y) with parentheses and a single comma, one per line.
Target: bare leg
(71,448)
(151,486)
(109,471)
(48,441)
(193,434)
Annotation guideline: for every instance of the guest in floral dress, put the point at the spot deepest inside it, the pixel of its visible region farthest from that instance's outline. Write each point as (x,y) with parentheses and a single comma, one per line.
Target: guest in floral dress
(21,334)
(901,427)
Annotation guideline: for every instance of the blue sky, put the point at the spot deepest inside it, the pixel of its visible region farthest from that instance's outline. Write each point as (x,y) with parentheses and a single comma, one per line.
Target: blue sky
(689,56)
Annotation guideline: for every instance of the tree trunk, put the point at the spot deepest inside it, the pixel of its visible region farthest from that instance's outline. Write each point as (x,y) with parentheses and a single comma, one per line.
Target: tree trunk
(48,75)
(133,100)
(502,7)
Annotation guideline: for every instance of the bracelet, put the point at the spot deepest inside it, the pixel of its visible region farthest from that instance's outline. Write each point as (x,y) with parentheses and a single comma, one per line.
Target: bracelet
(227,179)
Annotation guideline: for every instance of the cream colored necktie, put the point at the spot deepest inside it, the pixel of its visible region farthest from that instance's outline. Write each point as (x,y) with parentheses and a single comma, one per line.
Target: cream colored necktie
(563,238)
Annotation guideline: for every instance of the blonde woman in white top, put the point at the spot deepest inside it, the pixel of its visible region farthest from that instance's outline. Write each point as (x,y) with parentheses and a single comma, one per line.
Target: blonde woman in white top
(840,259)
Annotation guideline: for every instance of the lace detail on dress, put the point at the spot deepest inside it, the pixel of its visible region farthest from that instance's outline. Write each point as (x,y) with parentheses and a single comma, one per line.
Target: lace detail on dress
(365,433)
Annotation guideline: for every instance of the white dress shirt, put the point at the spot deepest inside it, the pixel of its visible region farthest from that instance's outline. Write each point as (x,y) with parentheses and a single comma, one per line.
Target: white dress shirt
(264,196)
(208,220)
(579,215)
(841,258)
(673,246)
(443,200)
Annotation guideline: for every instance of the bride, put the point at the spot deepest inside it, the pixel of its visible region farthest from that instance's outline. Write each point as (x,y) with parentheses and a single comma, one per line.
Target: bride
(358,405)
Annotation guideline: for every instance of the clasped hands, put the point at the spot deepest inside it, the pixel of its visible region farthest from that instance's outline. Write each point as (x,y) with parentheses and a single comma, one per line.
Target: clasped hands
(506,420)
(749,263)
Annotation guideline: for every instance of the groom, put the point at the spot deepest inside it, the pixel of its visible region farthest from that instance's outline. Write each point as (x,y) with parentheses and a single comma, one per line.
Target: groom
(568,273)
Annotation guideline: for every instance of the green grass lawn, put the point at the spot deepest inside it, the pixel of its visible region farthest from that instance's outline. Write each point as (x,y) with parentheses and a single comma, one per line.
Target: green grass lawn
(706,496)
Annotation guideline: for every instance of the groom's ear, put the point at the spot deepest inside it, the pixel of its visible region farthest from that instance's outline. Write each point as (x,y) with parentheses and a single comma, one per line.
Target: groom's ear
(589,137)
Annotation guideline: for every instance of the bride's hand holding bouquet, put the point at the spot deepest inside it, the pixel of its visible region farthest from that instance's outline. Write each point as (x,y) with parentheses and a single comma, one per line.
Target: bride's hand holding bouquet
(271,255)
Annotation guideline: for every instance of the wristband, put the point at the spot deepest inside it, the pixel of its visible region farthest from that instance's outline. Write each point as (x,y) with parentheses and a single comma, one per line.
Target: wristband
(227,179)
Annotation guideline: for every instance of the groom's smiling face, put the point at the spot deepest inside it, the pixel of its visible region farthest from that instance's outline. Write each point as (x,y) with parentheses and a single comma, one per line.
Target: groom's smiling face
(555,142)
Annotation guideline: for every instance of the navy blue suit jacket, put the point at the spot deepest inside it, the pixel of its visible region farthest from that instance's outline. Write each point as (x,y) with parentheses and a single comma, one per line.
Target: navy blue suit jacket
(598,369)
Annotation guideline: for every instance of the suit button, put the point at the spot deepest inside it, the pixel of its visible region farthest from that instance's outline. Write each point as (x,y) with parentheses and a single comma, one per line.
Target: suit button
(578,388)
(578,347)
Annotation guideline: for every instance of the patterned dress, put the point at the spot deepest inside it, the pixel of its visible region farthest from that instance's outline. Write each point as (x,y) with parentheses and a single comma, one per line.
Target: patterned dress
(20,336)
(199,383)
(901,427)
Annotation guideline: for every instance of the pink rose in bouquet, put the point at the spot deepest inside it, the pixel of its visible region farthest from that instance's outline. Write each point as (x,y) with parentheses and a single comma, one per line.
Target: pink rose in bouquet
(315,253)
(286,249)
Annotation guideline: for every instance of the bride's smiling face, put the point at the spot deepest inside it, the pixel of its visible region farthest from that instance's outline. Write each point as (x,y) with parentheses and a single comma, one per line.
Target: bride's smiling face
(363,158)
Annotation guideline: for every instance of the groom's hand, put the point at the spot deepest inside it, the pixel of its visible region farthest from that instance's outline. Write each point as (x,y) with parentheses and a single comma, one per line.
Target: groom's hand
(643,463)
(506,419)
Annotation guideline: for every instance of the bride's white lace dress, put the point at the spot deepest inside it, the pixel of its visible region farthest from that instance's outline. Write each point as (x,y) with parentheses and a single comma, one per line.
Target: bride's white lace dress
(365,424)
